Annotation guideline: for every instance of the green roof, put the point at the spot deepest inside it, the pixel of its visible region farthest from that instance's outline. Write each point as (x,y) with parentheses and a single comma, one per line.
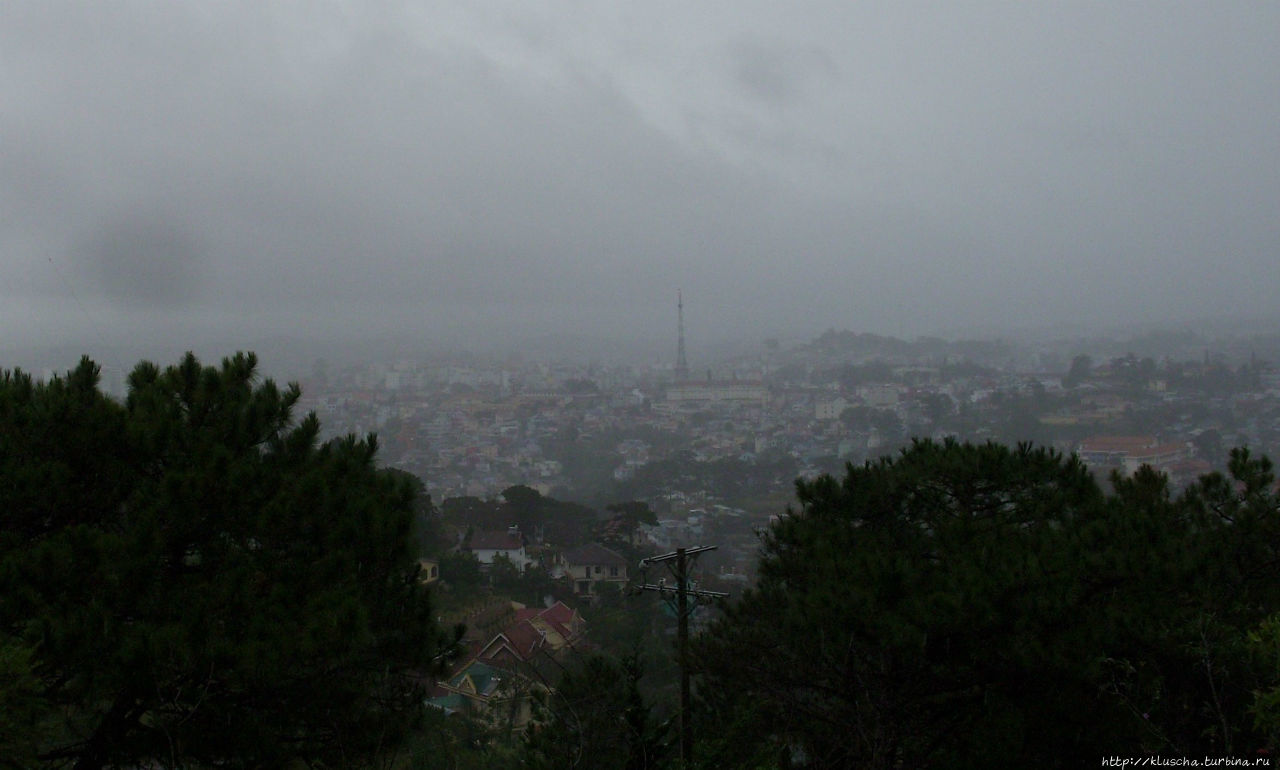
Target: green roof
(483,677)
(448,703)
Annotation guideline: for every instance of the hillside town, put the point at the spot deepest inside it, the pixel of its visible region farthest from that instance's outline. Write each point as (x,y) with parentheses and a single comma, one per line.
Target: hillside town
(715,454)
(475,428)
(553,480)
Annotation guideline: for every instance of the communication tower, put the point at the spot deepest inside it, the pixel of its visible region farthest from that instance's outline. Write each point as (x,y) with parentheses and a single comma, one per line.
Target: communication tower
(682,364)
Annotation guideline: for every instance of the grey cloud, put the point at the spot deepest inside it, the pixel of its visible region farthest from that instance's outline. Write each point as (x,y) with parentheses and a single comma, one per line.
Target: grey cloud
(779,73)
(356,168)
(147,260)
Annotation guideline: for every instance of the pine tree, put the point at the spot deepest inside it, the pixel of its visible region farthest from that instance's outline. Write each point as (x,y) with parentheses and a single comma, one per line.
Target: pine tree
(977,606)
(201,580)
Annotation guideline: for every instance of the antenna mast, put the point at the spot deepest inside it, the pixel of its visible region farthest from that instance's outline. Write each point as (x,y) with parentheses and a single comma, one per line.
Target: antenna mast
(682,365)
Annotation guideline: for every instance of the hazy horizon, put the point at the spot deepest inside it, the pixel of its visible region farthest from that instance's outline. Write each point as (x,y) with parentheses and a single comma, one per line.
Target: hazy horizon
(207,176)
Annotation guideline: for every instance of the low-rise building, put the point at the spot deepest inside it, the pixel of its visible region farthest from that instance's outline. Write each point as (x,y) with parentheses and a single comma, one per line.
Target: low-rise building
(488,545)
(589,565)
(494,695)
(709,392)
(1129,453)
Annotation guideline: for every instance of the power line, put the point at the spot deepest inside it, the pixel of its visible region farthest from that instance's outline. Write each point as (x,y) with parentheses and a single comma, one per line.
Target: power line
(682,558)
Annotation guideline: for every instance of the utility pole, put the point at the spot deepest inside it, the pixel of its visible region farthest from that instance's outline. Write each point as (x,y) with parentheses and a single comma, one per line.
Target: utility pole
(682,558)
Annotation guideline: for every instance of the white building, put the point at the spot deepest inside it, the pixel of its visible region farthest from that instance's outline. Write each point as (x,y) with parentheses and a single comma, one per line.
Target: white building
(744,392)
(830,410)
(488,545)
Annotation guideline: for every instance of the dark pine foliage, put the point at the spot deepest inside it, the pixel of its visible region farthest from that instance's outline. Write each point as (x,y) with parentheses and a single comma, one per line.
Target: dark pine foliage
(198,580)
(987,606)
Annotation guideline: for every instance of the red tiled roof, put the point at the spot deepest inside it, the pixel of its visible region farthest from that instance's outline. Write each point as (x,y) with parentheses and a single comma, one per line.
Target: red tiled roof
(1131,444)
(525,638)
(1190,466)
(559,613)
(522,639)
(559,616)
(1160,449)
(526,614)
(562,629)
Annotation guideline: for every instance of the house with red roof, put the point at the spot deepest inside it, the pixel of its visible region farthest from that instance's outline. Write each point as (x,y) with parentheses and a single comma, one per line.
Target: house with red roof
(513,645)
(533,631)
(498,680)
(1129,453)
(559,624)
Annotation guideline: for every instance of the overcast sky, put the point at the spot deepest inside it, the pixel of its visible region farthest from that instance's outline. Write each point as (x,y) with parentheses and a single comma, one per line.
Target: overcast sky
(477,169)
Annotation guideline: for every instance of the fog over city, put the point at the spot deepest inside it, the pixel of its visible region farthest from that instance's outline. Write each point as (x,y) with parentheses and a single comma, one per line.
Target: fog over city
(178,175)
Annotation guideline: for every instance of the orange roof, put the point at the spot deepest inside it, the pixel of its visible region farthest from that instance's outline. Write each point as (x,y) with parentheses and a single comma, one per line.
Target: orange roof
(1129,444)
(1159,449)
(720,384)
